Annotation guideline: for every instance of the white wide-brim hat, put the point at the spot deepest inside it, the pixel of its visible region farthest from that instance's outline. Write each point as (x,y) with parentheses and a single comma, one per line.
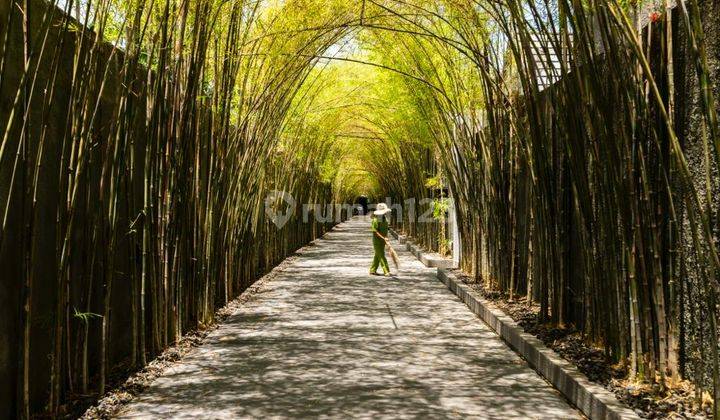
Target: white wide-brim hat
(382,208)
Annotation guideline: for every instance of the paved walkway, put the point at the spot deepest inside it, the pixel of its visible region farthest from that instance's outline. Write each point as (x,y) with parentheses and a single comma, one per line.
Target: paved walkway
(326,340)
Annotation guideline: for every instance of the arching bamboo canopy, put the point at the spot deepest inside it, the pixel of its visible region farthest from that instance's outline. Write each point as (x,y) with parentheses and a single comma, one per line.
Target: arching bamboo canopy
(146,144)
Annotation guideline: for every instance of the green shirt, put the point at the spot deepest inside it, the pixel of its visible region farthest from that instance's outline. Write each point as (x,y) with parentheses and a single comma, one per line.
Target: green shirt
(379,225)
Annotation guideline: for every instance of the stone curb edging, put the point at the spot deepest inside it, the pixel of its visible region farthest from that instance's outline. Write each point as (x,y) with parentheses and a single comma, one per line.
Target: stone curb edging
(433,261)
(592,399)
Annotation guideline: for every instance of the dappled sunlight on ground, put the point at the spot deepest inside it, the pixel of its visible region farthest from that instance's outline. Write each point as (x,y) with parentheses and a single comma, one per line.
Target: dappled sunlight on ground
(325,339)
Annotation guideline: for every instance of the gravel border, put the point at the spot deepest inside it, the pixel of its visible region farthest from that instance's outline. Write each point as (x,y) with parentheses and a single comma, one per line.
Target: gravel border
(116,399)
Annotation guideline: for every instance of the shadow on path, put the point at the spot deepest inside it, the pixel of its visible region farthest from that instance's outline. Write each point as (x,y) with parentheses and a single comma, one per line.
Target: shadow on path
(325,339)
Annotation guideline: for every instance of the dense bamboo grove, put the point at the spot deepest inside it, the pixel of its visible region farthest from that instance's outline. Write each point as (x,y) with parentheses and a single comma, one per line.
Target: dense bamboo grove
(582,185)
(137,155)
(160,132)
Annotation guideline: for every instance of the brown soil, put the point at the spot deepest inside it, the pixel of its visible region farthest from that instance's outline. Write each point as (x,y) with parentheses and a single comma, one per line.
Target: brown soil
(648,401)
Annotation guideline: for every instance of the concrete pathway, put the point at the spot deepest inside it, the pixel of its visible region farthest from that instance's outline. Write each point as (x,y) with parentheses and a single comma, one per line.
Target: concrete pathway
(326,340)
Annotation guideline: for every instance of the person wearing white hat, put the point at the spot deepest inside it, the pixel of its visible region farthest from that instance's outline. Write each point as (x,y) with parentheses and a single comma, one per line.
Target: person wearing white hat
(380,227)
